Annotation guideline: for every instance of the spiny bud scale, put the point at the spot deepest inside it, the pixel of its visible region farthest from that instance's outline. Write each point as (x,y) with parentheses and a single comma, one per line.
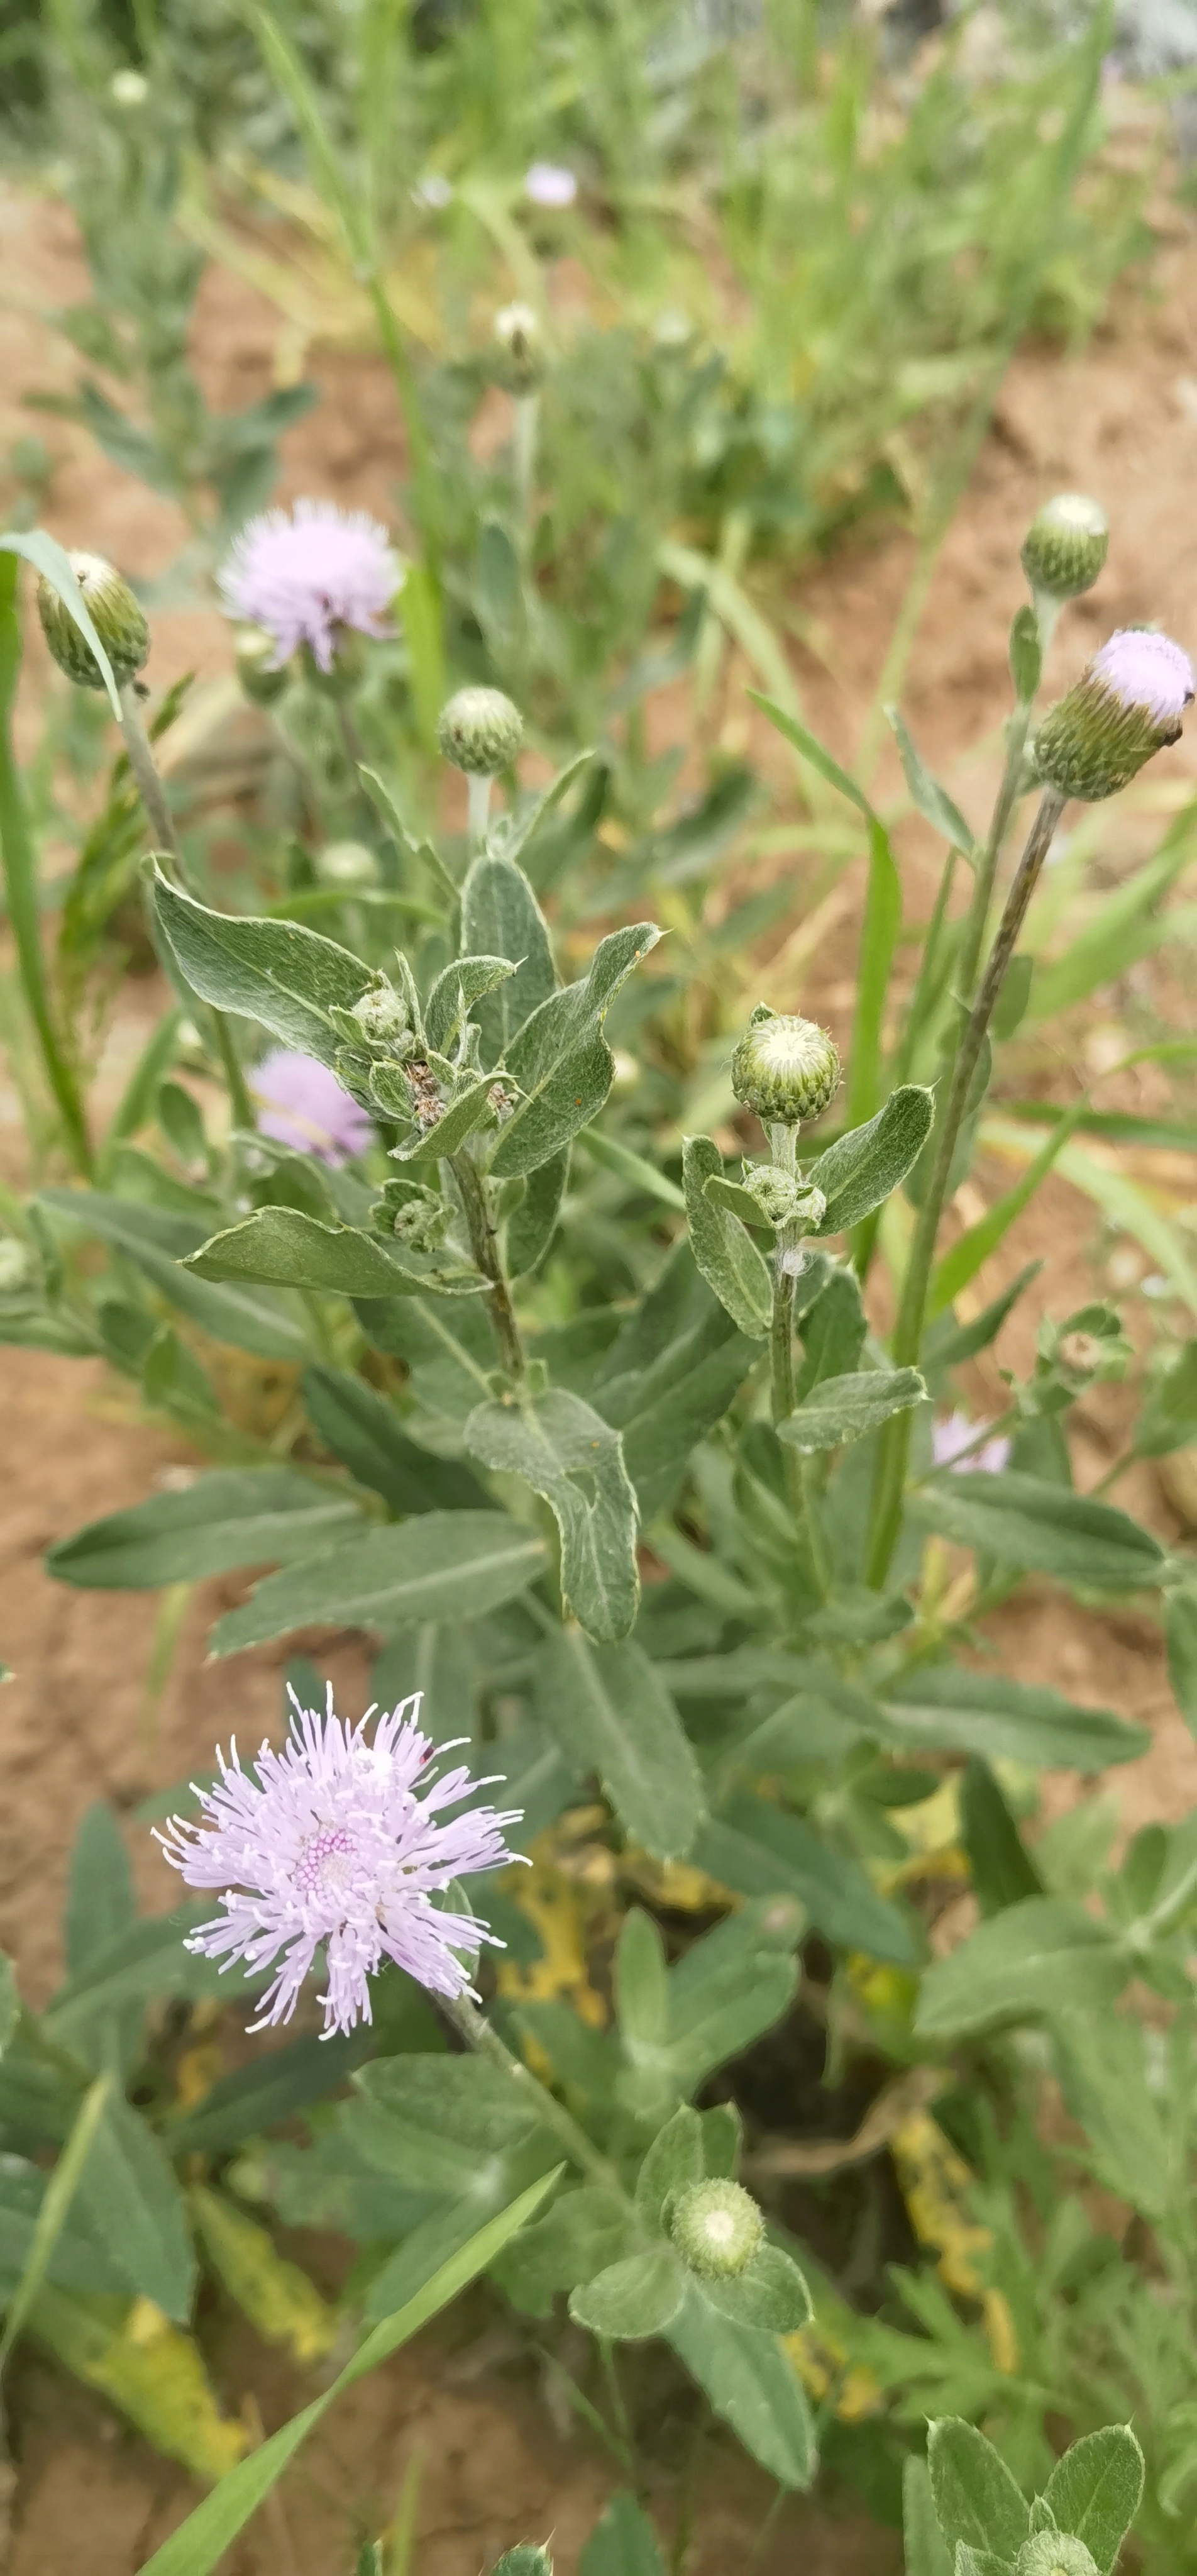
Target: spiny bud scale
(480,731)
(115,614)
(1066,545)
(718,2228)
(784,1068)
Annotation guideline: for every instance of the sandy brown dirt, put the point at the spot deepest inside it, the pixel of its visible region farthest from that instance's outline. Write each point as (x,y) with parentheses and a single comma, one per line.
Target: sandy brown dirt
(1121,420)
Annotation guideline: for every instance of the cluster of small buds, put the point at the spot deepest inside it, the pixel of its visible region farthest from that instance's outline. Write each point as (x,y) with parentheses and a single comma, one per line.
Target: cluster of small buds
(520,345)
(1126,706)
(717,2228)
(480,732)
(382,1020)
(783,1197)
(115,613)
(785,1069)
(1065,546)
(414,1214)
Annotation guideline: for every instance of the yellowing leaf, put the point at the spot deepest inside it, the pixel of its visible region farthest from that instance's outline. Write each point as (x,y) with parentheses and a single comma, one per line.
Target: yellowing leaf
(275,2295)
(155,2374)
(934,2182)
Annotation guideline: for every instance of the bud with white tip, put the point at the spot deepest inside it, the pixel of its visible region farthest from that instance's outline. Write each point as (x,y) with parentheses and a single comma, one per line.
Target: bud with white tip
(480,731)
(1126,706)
(717,2228)
(520,344)
(1065,546)
(261,674)
(115,614)
(784,1068)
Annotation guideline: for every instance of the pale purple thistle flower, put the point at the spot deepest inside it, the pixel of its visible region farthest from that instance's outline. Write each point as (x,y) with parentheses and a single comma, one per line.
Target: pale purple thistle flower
(339,1842)
(1143,669)
(300,1103)
(951,1436)
(548,184)
(303,576)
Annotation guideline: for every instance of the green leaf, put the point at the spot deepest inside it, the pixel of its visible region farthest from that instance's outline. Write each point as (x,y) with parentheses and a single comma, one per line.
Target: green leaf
(129,2196)
(1180,1629)
(198,2543)
(393,1578)
(1045,1955)
(450,1352)
(845,1408)
(864,1167)
(1000,1866)
(1096,2489)
(878,938)
(948,1707)
(1169,1417)
(926,795)
(54,564)
(1103,2073)
(769,2296)
(53,2210)
(724,1251)
(976,2498)
(1042,1527)
(365,1433)
(633,2299)
(727,1989)
(585,2231)
(809,748)
(257,2097)
(610,1711)
(144,1961)
(632,1168)
(752,2383)
(500,916)
(641,1985)
(925,2550)
(561,1060)
(760,1850)
(235,1516)
(276,972)
(622,2543)
(673,2162)
(100,1896)
(160,1245)
(458,988)
(287,1249)
(666,1408)
(436,2123)
(1026,654)
(566,1453)
(532,1225)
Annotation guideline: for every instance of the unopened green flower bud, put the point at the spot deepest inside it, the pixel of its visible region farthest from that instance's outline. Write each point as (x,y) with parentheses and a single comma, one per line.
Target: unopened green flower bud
(1065,546)
(480,731)
(718,2228)
(263,677)
(382,1017)
(115,614)
(347,865)
(784,1068)
(521,348)
(128,90)
(1126,706)
(1054,2553)
(16,1264)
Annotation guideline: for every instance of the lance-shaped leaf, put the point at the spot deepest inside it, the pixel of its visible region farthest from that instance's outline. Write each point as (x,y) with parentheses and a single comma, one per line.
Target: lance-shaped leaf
(927,796)
(723,1249)
(567,1453)
(237,1516)
(277,972)
(1044,1955)
(500,914)
(844,1408)
(365,1433)
(946,1707)
(977,2500)
(288,1249)
(458,988)
(667,1407)
(430,1568)
(751,2381)
(561,1060)
(609,1710)
(160,1244)
(633,2299)
(1031,1522)
(770,2296)
(862,1168)
(759,1850)
(1096,2489)
(128,2196)
(532,1225)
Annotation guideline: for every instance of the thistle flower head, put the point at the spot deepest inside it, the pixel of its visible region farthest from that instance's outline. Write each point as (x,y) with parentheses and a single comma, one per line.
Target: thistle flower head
(116,615)
(1126,706)
(1147,671)
(718,2228)
(480,731)
(302,575)
(784,1068)
(301,1104)
(1066,545)
(954,1434)
(340,1842)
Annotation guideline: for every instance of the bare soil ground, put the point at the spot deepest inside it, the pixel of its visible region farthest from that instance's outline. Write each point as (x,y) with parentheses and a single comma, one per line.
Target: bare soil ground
(1120,420)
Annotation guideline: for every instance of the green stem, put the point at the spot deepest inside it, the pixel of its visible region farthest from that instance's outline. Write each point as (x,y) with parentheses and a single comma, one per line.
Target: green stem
(525,434)
(418,447)
(783,1146)
(484,1244)
(478,811)
(485,2042)
(162,824)
(20,885)
(894,1449)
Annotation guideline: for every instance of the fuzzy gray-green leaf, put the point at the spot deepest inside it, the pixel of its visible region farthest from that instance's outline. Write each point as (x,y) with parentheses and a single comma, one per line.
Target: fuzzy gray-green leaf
(273,971)
(722,1247)
(563,1449)
(845,1408)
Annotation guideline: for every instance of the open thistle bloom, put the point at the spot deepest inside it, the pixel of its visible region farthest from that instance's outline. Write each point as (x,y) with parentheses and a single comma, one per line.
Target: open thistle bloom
(301,1104)
(303,576)
(1125,706)
(341,1842)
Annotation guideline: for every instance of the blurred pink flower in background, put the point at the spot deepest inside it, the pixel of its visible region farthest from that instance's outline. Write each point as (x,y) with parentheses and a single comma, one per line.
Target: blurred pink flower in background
(547,184)
(302,576)
(953,1434)
(300,1103)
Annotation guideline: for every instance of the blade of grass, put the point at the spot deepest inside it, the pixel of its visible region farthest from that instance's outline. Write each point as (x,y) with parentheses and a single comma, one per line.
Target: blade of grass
(21,885)
(1121,1200)
(52,2216)
(965,1257)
